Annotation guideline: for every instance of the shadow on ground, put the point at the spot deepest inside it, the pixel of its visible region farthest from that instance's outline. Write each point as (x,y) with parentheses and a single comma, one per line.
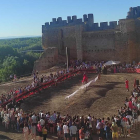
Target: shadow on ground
(61,88)
(101,93)
(2,137)
(46,95)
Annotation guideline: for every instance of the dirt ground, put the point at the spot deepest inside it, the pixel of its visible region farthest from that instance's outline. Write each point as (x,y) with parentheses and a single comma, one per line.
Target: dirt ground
(102,99)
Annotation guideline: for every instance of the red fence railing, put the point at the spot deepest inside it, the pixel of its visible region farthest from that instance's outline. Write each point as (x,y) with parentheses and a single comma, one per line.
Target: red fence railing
(26,94)
(46,85)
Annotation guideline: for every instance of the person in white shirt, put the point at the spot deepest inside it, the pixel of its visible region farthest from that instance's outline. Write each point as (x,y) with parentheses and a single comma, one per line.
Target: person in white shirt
(42,122)
(19,114)
(34,119)
(66,132)
(41,113)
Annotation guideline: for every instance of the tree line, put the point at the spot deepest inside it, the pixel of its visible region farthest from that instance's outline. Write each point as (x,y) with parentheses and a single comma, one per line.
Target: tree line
(12,61)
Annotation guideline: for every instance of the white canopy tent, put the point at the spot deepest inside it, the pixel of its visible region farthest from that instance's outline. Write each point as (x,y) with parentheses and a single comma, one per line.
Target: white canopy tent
(112,63)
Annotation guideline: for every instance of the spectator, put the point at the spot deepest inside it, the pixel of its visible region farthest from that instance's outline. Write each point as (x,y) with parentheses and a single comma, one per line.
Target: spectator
(66,131)
(33,131)
(34,118)
(108,132)
(124,126)
(59,130)
(81,133)
(44,133)
(73,131)
(42,122)
(39,129)
(114,131)
(25,131)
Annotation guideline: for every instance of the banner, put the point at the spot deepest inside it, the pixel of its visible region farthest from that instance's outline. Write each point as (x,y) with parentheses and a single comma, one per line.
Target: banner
(82,87)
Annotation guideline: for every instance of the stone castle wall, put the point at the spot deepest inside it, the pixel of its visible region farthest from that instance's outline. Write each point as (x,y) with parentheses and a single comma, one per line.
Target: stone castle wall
(87,40)
(47,60)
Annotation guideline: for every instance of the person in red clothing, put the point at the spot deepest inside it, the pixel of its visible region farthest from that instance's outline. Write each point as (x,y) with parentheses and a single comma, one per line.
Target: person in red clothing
(130,104)
(81,133)
(85,79)
(127,84)
(39,129)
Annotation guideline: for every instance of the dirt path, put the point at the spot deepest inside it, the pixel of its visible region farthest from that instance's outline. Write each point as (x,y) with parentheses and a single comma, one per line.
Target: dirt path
(101,99)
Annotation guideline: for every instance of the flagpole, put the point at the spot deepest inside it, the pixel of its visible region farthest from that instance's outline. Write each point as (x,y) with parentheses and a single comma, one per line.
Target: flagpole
(67,57)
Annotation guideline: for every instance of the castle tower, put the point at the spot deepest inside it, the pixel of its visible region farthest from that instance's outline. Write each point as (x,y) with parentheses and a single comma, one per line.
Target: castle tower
(85,18)
(90,21)
(128,29)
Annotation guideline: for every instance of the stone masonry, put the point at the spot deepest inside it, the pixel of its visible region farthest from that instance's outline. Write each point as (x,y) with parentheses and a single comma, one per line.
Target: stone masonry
(87,40)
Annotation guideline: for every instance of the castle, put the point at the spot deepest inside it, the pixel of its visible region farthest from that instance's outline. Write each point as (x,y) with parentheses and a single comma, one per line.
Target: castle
(87,40)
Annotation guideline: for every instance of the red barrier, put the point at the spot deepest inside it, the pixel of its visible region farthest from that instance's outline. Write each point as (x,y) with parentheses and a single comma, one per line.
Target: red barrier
(130,70)
(137,70)
(26,94)
(45,85)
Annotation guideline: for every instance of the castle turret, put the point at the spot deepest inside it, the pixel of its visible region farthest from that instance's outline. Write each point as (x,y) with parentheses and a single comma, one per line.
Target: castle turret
(90,20)
(59,20)
(47,24)
(85,18)
(69,19)
(54,20)
(133,12)
(74,18)
(43,27)
(138,11)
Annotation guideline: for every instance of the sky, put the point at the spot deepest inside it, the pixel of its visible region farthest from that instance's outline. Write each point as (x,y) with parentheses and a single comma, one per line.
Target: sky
(26,17)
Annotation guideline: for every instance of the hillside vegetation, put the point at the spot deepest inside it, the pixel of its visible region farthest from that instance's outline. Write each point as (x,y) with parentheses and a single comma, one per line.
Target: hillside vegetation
(13,61)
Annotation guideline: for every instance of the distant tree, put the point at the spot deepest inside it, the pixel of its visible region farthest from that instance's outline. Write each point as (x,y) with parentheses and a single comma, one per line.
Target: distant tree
(25,62)
(12,61)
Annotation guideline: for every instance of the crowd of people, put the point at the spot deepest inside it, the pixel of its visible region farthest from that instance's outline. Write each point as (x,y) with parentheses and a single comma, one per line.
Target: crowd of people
(38,80)
(74,65)
(67,126)
(75,127)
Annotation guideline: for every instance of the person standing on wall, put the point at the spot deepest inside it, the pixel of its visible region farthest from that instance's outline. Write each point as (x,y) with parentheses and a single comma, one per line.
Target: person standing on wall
(127,84)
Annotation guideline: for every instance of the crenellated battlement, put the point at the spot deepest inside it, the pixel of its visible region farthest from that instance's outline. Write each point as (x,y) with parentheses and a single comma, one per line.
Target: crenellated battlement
(104,26)
(59,22)
(134,12)
(87,21)
(89,41)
